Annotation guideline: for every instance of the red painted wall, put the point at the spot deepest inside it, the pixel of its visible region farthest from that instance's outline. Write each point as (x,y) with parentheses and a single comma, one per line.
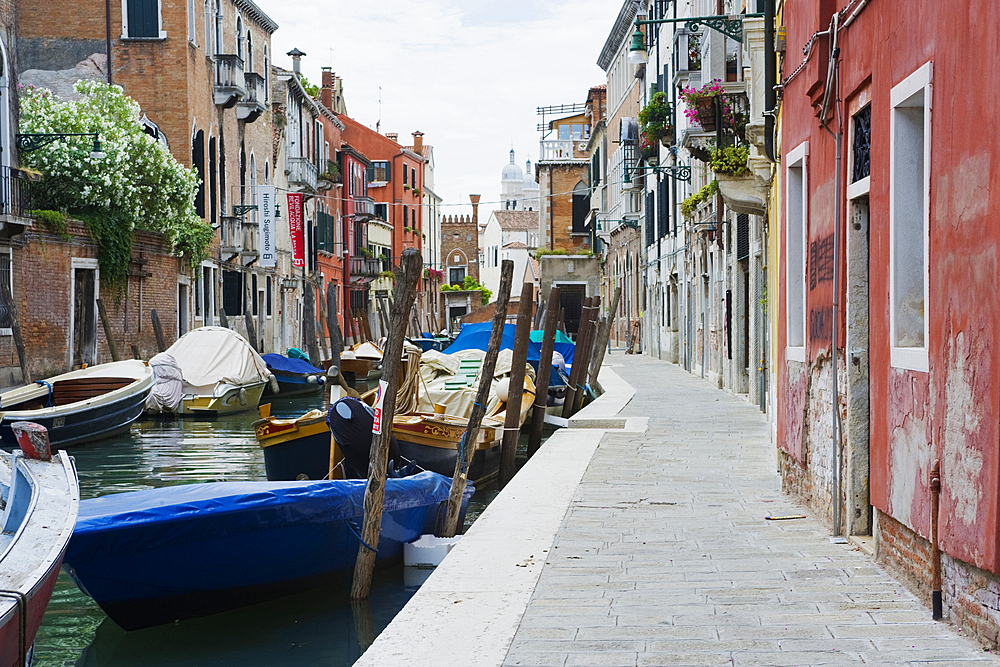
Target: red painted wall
(951,412)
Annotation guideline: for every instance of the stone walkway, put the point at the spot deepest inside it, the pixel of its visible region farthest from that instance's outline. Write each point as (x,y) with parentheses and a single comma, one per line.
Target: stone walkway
(665,558)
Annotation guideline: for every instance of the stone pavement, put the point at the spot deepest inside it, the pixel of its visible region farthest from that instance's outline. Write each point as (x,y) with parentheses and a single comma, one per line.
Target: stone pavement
(664,556)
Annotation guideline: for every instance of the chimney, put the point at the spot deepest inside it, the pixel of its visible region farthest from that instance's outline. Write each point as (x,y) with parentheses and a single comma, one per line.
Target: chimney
(418,142)
(326,89)
(296,57)
(475,208)
(391,135)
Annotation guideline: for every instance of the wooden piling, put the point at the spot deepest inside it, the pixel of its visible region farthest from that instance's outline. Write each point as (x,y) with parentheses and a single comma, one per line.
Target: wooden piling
(324,335)
(309,324)
(406,287)
(588,349)
(336,344)
(135,352)
(574,373)
(468,444)
(161,343)
(223,320)
(603,336)
(367,325)
(108,333)
(22,358)
(251,330)
(515,388)
(544,372)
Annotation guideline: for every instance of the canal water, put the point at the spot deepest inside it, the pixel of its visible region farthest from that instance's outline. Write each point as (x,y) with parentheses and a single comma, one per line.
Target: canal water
(318,627)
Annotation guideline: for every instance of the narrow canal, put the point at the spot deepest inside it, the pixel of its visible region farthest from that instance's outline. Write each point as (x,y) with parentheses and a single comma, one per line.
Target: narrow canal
(319,627)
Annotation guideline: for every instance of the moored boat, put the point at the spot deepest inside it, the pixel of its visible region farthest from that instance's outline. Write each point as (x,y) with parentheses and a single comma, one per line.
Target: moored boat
(160,555)
(296,377)
(80,406)
(220,373)
(41,500)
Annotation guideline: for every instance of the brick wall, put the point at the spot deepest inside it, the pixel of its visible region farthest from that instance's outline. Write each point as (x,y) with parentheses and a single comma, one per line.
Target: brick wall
(42,271)
(460,233)
(556,183)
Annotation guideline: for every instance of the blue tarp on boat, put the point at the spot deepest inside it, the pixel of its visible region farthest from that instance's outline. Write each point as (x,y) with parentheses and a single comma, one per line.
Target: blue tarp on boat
(477,337)
(279,362)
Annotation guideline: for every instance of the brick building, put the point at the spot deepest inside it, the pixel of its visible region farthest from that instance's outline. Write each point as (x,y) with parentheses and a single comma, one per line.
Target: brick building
(201,75)
(460,257)
(563,181)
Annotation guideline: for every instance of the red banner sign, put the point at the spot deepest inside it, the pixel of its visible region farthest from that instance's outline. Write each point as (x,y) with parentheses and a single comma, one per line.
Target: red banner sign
(295,227)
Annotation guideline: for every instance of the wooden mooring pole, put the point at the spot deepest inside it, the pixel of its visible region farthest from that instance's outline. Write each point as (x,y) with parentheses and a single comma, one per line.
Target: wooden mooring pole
(575,371)
(544,371)
(108,333)
(22,358)
(515,388)
(336,344)
(603,335)
(161,343)
(468,444)
(587,352)
(251,331)
(407,274)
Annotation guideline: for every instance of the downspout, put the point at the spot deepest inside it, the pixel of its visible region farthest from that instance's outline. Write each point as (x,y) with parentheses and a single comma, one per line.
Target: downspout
(770,72)
(107,35)
(831,95)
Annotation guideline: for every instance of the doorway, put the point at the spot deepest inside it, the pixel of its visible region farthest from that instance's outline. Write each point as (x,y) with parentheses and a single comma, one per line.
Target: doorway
(571,296)
(182,309)
(83,332)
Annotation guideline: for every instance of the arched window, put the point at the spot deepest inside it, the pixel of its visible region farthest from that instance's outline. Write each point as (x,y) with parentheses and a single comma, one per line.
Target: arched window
(581,207)
(249,66)
(239,37)
(267,74)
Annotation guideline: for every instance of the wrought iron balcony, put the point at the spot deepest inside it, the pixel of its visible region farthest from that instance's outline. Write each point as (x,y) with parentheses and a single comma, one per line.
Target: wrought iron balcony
(301,173)
(251,107)
(230,84)
(15,201)
(364,208)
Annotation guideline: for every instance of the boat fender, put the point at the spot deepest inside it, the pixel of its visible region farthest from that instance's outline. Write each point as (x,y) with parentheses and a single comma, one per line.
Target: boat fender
(322,380)
(243,396)
(311,379)
(273,381)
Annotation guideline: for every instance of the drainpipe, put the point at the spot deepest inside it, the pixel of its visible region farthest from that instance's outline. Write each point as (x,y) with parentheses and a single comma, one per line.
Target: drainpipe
(107,35)
(770,70)
(832,96)
(935,549)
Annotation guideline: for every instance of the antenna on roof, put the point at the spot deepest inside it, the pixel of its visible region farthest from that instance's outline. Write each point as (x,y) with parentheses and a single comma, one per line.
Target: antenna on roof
(379,121)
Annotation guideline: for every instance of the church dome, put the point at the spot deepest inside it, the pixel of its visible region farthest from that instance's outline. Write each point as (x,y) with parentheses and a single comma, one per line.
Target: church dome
(529,177)
(511,172)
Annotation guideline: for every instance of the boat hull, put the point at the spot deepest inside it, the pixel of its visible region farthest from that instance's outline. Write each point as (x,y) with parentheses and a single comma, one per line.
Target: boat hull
(33,550)
(433,443)
(226,403)
(292,385)
(295,450)
(202,559)
(79,422)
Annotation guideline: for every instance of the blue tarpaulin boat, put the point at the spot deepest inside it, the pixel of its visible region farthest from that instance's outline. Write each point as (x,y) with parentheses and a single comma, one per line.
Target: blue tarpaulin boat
(160,555)
(295,376)
(477,337)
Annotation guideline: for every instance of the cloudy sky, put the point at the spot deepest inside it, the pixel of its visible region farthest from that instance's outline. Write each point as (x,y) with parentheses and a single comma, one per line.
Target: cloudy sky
(469,74)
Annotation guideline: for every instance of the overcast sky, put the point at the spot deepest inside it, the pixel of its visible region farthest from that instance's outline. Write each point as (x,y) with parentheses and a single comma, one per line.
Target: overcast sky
(469,74)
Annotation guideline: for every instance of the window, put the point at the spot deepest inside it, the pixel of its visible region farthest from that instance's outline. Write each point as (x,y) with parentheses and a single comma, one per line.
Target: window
(405,181)
(379,172)
(249,65)
(796,226)
(232,292)
(267,296)
(6,284)
(406,216)
(909,196)
(253,290)
(574,131)
(267,91)
(456,275)
(581,207)
(208,28)
(141,20)
(239,37)
(413,177)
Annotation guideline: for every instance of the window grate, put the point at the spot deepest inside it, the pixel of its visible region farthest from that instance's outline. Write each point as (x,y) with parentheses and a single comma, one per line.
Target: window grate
(862,144)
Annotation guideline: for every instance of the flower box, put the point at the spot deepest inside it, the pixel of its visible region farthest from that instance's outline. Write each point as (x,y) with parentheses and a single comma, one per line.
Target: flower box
(743,194)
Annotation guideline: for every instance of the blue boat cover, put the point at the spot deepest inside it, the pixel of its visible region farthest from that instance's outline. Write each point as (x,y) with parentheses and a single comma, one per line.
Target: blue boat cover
(477,337)
(279,362)
(177,513)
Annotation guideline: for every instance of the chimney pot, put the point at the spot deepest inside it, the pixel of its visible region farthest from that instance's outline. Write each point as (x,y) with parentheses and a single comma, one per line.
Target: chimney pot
(391,135)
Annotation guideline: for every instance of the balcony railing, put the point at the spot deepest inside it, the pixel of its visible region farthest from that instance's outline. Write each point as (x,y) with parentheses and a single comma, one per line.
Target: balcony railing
(252,106)
(557,149)
(230,84)
(365,266)
(364,208)
(301,173)
(15,197)
(230,235)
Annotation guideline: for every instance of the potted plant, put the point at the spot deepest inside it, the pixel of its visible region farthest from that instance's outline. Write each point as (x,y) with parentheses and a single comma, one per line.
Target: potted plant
(701,104)
(656,121)
(737,184)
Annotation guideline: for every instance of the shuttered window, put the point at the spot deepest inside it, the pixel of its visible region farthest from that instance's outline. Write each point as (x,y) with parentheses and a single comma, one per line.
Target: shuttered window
(742,236)
(143,18)
(650,218)
(662,209)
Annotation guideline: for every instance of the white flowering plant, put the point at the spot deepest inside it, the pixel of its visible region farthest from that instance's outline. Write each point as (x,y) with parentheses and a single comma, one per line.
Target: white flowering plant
(138,184)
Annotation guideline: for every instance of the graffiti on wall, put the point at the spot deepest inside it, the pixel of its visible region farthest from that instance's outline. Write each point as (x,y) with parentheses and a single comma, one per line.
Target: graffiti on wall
(821,324)
(821,258)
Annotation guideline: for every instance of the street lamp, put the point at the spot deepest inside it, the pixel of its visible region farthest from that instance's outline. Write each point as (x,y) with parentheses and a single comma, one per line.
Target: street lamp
(637,52)
(32,141)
